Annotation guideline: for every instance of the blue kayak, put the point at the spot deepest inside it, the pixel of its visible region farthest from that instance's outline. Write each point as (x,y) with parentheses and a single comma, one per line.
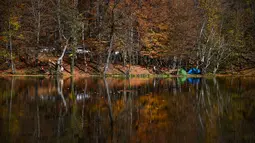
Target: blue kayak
(194,71)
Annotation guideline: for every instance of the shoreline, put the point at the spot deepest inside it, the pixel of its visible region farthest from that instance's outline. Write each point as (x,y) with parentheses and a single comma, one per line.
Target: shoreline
(124,76)
(118,72)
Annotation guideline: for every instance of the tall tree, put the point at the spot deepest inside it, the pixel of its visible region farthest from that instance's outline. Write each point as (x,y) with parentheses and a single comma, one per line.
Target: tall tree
(12,28)
(111,8)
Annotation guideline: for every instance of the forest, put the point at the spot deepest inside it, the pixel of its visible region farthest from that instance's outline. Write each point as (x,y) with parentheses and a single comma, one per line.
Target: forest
(216,36)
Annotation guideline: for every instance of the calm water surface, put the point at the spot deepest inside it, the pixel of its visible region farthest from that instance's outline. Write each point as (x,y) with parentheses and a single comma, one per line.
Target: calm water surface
(127,110)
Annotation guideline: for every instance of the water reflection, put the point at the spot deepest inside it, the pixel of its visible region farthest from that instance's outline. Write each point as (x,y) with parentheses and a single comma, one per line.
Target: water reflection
(127,110)
(194,80)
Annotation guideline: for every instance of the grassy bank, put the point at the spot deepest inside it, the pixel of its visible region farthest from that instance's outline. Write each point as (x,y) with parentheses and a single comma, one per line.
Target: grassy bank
(118,71)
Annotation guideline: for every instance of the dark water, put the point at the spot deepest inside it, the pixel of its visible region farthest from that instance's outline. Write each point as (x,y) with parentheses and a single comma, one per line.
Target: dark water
(122,110)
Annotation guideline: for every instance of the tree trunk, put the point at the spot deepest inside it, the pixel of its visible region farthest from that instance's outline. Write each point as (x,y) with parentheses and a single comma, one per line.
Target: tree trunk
(98,19)
(109,55)
(38,30)
(180,63)
(83,44)
(38,24)
(111,40)
(38,127)
(74,45)
(10,39)
(131,57)
(72,60)
(59,21)
(109,102)
(60,59)
(174,63)
(197,60)
(60,83)
(12,63)
(36,6)
(216,68)
(124,57)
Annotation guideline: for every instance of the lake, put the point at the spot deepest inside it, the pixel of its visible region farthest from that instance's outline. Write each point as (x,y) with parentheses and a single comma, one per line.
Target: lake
(36,109)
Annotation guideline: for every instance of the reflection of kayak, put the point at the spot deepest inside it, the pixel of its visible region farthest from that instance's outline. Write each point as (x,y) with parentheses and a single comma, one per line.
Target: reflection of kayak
(194,80)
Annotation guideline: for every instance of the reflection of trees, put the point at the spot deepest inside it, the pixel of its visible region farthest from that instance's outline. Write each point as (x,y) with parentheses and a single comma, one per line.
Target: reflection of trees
(10,104)
(109,102)
(61,115)
(109,106)
(60,83)
(239,120)
(60,123)
(83,104)
(9,125)
(211,103)
(38,127)
(153,117)
(128,113)
(13,124)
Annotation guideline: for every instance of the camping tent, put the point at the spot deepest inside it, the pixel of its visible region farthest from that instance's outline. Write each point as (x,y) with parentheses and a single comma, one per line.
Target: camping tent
(194,71)
(182,72)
